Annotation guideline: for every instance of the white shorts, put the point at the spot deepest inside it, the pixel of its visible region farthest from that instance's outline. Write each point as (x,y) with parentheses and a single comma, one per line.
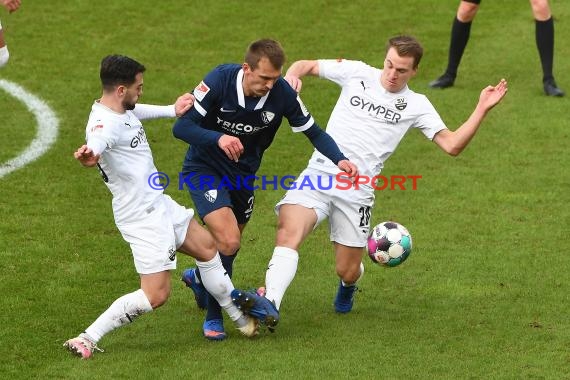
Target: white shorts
(155,239)
(348,210)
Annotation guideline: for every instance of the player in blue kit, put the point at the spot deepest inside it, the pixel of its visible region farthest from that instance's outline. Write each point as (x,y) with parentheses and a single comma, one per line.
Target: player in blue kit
(236,114)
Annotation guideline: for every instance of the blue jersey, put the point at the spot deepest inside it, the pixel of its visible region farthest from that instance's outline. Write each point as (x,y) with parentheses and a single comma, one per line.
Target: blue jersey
(222,108)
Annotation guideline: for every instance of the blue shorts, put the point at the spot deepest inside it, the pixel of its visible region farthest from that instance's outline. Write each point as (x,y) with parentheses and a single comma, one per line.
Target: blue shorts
(210,191)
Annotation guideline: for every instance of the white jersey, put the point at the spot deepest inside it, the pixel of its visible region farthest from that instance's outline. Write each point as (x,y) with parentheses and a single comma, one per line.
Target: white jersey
(368,122)
(126,162)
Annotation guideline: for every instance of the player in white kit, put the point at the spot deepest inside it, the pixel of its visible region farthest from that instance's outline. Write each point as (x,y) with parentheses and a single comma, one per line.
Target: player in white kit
(11,6)
(152,223)
(373,113)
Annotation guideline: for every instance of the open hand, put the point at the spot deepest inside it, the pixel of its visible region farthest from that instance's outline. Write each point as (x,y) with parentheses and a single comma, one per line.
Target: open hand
(492,95)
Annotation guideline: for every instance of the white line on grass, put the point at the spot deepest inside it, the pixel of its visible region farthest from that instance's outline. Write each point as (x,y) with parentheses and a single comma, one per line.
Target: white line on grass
(47,127)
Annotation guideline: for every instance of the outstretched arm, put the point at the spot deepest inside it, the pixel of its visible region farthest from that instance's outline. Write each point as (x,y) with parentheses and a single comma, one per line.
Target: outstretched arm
(322,141)
(148,111)
(453,142)
(298,70)
(325,144)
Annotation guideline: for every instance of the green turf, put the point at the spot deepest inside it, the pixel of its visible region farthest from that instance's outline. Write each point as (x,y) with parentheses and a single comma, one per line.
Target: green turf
(484,294)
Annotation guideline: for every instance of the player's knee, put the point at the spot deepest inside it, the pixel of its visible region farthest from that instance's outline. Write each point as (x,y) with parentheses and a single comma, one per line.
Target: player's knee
(230,245)
(228,241)
(540,9)
(284,237)
(4,56)
(467,11)
(288,236)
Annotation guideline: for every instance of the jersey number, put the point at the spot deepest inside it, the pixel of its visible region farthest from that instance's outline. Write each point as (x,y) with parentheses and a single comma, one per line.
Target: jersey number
(364,216)
(250,207)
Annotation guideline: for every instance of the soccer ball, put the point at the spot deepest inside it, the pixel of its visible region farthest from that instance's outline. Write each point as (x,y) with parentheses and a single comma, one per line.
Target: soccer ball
(389,244)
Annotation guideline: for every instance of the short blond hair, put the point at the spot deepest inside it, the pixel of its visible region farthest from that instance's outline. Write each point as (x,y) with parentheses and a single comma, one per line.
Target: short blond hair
(407,46)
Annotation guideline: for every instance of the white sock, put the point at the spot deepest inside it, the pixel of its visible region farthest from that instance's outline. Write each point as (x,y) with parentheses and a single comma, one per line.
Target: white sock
(358,279)
(219,285)
(123,311)
(4,55)
(280,272)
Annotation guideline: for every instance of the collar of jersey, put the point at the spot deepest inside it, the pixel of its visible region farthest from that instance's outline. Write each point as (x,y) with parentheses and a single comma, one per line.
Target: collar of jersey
(241,96)
(98,104)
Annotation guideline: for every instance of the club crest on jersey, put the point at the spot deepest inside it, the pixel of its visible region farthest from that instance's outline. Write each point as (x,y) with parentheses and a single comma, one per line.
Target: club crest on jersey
(401,104)
(201,91)
(211,195)
(171,253)
(267,116)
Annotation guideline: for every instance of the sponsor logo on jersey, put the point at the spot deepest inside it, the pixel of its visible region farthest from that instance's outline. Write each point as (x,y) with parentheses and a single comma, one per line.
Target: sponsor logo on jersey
(211,195)
(240,128)
(303,108)
(363,86)
(377,111)
(267,116)
(201,91)
(401,104)
(140,138)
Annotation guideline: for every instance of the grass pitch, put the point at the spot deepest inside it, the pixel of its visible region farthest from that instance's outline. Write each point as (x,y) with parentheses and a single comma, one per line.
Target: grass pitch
(484,294)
